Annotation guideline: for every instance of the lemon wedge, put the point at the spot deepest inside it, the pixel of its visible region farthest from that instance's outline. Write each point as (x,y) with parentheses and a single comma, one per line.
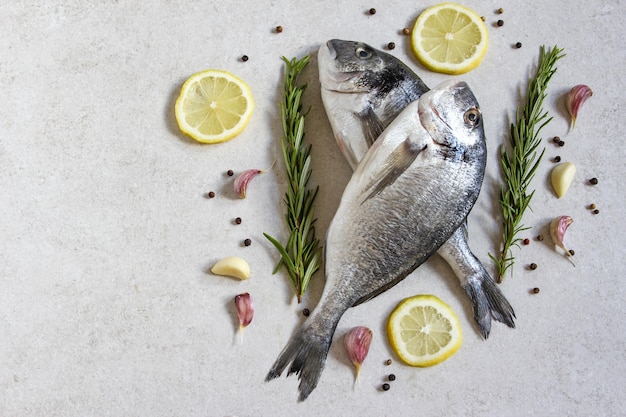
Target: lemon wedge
(449,38)
(424,331)
(214,106)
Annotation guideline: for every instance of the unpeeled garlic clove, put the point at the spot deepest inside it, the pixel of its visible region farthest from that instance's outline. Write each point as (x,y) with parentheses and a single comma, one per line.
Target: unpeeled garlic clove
(561,177)
(245,311)
(558,227)
(575,99)
(357,344)
(232,266)
(243,179)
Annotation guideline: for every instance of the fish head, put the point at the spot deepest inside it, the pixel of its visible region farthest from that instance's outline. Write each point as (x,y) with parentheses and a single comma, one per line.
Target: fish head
(352,67)
(451,115)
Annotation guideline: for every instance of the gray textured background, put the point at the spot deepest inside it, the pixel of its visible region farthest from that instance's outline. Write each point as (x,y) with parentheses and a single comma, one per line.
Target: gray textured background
(106,306)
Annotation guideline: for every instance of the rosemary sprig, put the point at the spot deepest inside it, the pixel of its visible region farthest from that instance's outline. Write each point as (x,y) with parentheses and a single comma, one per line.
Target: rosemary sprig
(301,254)
(520,162)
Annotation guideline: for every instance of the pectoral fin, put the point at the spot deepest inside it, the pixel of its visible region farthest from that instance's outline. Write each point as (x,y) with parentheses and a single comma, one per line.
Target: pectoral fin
(372,125)
(397,162)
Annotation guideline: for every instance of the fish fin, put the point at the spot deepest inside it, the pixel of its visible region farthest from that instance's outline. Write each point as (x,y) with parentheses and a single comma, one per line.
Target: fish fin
(306,352)
(397,162)
(488,302)
(372,125)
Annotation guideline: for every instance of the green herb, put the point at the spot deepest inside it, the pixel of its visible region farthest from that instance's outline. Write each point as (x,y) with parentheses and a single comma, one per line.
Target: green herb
(301,254)
(520,162)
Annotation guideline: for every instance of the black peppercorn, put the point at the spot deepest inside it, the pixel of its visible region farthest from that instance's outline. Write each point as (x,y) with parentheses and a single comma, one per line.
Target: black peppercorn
(247,242)
(533,266)
(391,45)
(557,159)
(556,139)
(593,181)
(279,29)
(210,194)
(571,252)
(306,312)
(535,290)
(561,143)
(391,377)
(518,45)
(238,220)
(596,211)
(526,241)
(500,22)
(230,173)
(372,11)
(386,386)
(244,58)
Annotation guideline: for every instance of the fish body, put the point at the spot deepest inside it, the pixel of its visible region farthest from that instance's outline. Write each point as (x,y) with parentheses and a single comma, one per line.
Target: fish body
(363,90)
(412,190)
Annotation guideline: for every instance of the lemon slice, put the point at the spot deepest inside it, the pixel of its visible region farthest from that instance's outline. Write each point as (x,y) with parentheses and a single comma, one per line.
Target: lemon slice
(449,38)
(214,106)
(424,331)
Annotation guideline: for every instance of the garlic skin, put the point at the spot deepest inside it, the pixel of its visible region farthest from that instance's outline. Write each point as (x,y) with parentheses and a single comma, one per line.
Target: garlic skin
(575,99)
(357,344)
(245,309)
(558,227)
(242,180)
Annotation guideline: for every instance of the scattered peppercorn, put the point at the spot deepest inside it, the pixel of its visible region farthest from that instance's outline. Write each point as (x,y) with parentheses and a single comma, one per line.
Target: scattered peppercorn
(526,241)
(533,266)
(500,10)
(388,362)
(279,29)
(557,159)
(561,143)
(391,377)
(244,58)
(592,206)
(238,220)
(386,386)
(500,22)
(210,194)
(406,31)
(247,242)
(518,45)
(593,181)
(571,252)
(556,139)
(230,173)
(535,290)
(596,211)
(306,312)
(483,18)
(372,11)
(391,45)
(540,238)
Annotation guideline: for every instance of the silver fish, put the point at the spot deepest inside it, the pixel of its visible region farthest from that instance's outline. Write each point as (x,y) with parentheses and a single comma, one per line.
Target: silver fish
(420,178)
(363,90)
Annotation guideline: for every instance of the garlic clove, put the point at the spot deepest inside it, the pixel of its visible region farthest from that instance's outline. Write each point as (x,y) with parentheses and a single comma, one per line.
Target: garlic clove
(245,312)
(232,266)
(357,344)
(575,99)
(558,227)
(243,179)
(561,177)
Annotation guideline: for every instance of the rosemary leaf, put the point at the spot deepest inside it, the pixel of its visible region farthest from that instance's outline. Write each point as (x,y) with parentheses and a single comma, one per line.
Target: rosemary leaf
(519,163)
(301,254)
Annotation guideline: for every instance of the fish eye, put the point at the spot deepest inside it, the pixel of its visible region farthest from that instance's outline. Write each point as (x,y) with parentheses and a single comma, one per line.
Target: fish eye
(472,116)
(363,53)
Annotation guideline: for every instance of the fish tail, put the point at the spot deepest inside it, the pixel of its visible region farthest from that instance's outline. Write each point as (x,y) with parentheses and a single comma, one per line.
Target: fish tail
(306,352)
(488,302)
